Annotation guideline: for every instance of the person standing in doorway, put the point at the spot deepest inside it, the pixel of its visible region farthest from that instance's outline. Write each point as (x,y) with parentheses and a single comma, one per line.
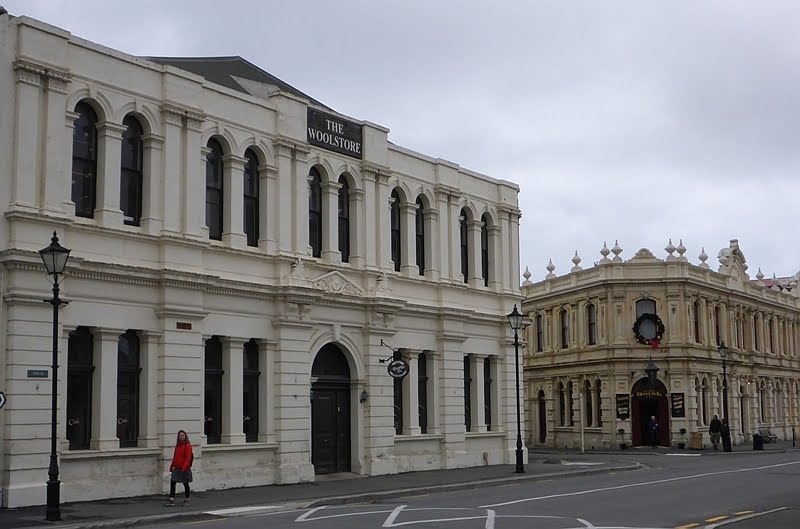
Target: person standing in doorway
(652,426)
(181,468)
(714,430)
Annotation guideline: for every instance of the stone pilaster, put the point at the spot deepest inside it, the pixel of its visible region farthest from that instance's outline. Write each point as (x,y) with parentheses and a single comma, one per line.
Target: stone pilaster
(104,390)
(330,222)
(233,196)
(232,396)
(109,160)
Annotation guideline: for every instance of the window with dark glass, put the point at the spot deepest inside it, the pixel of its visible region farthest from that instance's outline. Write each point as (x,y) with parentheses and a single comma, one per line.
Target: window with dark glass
(467,395)
(212,415)
(564,317)
(214,190)
(756,334)
(128,372)
(84,161)
(251,202)
(315,213)
(398,406)
(250,397)
(485,250)
(464,236)
(344,219)
(571,408)
(562,405)
(771,336)
(422,392)
(598,403)
(645,306)
(696,310)
(419,230)
(487,392)
(591,320)
(80,365)
(587,403)
(130,189)
(395,229)
(717,332)
(539,333)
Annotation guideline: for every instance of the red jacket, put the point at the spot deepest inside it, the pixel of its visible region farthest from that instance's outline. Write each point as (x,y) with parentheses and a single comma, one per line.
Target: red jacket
(182,457)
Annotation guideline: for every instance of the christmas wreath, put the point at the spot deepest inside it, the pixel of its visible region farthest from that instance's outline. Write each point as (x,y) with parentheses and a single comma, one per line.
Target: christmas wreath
(649,330)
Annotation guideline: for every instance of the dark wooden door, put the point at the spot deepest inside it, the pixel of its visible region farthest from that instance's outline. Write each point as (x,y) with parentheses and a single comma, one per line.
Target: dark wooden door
(330,430)
(542,418)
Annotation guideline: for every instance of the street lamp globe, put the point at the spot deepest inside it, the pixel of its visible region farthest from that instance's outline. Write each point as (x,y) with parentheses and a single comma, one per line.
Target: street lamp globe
(55,257)
(515,319)
(723,350)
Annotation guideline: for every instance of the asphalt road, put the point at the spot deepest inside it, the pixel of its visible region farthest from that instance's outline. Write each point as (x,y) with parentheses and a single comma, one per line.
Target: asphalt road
(730,491)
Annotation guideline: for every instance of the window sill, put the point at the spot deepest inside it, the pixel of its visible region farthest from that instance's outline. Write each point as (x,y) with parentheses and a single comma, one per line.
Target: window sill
(79,455)
(493,433)
(419,437)
(220,447)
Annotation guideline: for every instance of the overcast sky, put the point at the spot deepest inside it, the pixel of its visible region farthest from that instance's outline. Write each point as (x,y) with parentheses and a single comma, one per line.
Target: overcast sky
(629,120)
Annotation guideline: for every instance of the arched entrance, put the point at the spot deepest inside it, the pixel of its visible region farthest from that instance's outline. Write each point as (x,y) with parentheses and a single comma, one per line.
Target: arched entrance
(542,417)
(647,401)
(330,411)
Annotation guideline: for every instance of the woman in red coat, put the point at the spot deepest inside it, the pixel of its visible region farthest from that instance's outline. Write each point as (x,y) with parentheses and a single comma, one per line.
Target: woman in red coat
(181,468)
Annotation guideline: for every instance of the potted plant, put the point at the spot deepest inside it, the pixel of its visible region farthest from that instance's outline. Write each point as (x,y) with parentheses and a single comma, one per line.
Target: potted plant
(682,443)
(622,444)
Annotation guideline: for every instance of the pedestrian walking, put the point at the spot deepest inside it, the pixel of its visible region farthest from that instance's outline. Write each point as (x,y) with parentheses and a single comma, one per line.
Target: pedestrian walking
(181,468)
(714,430)
(653,427)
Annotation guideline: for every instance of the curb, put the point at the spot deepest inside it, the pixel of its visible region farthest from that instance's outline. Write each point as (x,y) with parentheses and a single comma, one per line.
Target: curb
(342,500)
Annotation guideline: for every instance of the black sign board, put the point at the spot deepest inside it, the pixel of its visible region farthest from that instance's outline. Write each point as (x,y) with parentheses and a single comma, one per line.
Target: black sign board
(623,406)
(397,368)
(38,373)
(334,133)
(648,393)
(678,407)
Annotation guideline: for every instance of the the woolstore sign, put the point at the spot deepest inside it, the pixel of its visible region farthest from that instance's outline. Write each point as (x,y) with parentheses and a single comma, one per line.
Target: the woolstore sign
(334,133)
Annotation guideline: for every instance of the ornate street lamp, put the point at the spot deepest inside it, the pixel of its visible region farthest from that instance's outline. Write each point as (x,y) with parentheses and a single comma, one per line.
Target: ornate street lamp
(55,259)
(726,430)
(515,320)
(651,369)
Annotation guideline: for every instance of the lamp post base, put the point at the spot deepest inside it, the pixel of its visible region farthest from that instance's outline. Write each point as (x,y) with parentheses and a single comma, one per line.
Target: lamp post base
(726,439)
(53,501)
(520,464)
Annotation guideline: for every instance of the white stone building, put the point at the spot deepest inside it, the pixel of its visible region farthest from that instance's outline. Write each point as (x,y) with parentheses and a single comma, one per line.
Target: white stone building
(242,256)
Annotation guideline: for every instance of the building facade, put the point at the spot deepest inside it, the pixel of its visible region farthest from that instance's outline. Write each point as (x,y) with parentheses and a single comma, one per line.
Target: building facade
(245,261)
(585,372)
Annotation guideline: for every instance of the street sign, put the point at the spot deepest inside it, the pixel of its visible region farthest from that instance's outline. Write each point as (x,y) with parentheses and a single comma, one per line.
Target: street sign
(397,368)
(2,399)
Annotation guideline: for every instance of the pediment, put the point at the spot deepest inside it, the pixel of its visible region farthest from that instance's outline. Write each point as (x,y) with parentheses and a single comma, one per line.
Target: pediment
(336,283)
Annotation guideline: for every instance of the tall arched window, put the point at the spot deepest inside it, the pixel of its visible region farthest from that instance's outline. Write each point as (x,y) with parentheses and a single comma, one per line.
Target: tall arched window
(251,202)
(315,212)
(564,320)
(571,404)
(645,306)
(344,219)
(756,334)
(419,230)
(80,366)
(562,405)
(214,197)
(539,333)
(130,188)
(762,403)
(485,250)
(212,417)
(464,236)
(717,325)
(771,331)
(395,229)
(696,320)
(128,389)
(705,400)
(591,324)
(587,403)
(598,403)
(84,161)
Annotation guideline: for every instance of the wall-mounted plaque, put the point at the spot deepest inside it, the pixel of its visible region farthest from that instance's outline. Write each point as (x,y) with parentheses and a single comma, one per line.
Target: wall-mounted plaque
(38,373)
(678,406)
(623,406)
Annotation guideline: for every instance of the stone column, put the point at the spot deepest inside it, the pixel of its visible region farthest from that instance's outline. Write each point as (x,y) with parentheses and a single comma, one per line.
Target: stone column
(330,222)
(268,208)
(442,250)
(170,190)
(193,183)
(497,259)
(370,225)
(432,246)
(475,265)
(383,222)
(299,199)
(408,240)
(267,391)
(505,249)
(232,384)
(478,417)
(285,203)
(109,160)
(233,198)
(411,394)
(149,406)
(26,136)
(358,224)
(153,184)
(451,393)
(56,175)
(434,391)
(104,390)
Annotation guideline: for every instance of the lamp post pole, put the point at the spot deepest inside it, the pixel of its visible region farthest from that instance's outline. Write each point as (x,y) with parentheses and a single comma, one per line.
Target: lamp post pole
(515,319)
(726,429)
(55,259)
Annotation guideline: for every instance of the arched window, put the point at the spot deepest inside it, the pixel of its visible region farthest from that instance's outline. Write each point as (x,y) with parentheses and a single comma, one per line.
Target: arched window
(562,405)
(587,403)
(762,403)
(395,229)
(251,202)
(80,365)
(571,405)
(771,331)
(717,325)
(705,400)
(84,161)
(591,324)
(419,230)
(485,250)
(645,306)
(539,333)
(598,403)
(756,334)
(344,219)
(128,370)
(315,212)
(564,320)
(464,235)
(696,321)
(214,190)
(130,188)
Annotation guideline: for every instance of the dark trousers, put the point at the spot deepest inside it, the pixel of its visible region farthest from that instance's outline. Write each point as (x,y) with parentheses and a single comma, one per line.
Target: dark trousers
(653,438)
(172,484)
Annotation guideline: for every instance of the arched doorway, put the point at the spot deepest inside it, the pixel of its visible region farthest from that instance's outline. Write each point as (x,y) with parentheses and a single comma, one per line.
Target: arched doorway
(542,417)
(648,401)
(330,411)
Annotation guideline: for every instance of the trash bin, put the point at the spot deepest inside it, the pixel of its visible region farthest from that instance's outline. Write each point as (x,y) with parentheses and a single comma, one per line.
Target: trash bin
(758,442)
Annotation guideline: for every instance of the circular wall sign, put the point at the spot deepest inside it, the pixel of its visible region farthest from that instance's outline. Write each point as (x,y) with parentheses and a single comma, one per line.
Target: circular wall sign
(397,368)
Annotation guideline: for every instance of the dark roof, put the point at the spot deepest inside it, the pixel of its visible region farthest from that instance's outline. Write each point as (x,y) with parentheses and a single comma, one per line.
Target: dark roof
(221,70)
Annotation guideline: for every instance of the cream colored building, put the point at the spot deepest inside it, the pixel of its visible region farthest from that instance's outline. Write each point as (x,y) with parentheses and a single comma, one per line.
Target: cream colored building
(584,368)
(243,260)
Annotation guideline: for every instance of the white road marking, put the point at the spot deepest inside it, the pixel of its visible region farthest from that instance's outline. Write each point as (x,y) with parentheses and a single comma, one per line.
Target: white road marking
(740,518)
(629,485)
(489,520)
(585,523)
(241,510)
(684,455)
(581,463)
(303,517)
(391,518)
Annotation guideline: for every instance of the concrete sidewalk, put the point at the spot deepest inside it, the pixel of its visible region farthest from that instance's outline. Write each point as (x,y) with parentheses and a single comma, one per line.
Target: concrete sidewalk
(326,490)
(779,446)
